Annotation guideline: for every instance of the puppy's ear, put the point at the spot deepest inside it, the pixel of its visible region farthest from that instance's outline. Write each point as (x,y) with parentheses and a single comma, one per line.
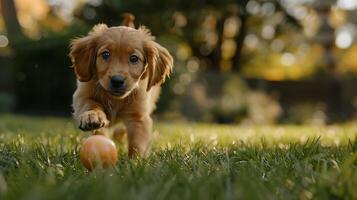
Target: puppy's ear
(83,57)
(128,20)
(83,54)
(159,63)
(98,28)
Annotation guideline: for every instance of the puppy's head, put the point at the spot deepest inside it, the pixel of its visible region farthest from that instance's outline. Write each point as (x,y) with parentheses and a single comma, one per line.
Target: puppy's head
(118,58)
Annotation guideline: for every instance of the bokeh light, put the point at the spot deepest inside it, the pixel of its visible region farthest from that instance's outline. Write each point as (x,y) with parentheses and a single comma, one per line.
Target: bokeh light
(3,41)
(288,59)
(344,39)
(347,4)
(251,41)
(268,32)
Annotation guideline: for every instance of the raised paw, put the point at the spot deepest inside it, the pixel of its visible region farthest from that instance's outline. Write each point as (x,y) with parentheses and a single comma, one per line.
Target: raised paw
(92,120)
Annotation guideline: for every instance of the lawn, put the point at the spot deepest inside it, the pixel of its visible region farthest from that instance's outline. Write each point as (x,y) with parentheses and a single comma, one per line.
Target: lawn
(39,160)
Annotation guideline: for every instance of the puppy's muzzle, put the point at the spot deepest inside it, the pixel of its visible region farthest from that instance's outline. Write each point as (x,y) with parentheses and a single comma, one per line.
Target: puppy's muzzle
(117,85)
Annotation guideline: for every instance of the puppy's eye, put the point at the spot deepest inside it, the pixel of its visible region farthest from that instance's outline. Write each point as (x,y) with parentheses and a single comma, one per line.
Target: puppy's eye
(133,59)
(105,55)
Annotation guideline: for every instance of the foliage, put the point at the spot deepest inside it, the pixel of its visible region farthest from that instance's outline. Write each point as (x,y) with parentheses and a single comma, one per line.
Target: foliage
(226,98)
(39,160)
(44,81)
(267,39)
(7,102)
(212,31)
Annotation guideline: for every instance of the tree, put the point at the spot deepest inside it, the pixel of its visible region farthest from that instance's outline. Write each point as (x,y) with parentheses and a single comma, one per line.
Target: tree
(158,16)
(11,21)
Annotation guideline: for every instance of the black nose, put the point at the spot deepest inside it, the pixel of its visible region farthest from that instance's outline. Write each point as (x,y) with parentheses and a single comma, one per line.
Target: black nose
(117,82)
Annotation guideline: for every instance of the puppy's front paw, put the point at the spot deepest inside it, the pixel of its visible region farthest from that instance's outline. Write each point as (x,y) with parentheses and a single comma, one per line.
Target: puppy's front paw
(91,120)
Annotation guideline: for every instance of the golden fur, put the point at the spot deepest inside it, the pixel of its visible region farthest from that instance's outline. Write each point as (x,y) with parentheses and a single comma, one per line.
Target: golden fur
(95,107)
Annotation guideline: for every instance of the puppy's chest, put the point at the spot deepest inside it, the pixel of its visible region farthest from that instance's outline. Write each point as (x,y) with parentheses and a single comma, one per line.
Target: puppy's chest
(115,110)
(118,110)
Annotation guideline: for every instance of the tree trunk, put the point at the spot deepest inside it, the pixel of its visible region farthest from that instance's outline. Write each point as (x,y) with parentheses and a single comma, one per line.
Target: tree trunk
(217,51)
(240,42)
(11,21)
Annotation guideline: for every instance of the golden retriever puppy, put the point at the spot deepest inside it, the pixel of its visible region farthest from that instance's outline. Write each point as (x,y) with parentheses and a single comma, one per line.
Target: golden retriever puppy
(119,71)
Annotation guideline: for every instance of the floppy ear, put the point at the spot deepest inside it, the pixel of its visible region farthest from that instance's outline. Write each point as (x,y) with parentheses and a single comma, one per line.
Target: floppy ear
(83,56)
(159,63)
(98,28)
(128,20)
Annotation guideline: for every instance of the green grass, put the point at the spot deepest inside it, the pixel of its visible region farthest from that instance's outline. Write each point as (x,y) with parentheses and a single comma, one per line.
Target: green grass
(39,160)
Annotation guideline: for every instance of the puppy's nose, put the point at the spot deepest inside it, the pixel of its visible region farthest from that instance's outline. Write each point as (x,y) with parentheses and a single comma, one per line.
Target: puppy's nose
(117,82)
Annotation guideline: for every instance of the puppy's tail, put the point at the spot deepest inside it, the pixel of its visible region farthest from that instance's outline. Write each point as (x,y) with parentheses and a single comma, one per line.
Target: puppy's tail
(128,20)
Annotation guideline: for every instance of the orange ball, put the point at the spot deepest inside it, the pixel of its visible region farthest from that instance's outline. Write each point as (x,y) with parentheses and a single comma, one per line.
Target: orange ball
(98,151)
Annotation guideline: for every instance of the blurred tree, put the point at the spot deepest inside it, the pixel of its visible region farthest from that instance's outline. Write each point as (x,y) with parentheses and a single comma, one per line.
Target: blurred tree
(200,24)
(42,79)
(9,14)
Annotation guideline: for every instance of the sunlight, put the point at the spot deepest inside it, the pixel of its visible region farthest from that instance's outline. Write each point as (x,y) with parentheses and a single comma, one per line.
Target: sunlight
(288,59)
(3,41)
(344,39)
(347,4)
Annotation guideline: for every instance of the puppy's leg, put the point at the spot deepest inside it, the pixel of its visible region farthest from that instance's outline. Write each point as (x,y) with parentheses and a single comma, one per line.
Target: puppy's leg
(92,120)
(139,135)
(119,134)
(89,114)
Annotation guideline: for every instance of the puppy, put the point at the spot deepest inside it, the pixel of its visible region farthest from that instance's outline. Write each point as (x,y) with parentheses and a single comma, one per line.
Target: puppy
(119,71)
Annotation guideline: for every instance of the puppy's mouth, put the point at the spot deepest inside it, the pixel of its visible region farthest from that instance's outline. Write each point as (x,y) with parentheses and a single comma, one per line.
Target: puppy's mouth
(117,92)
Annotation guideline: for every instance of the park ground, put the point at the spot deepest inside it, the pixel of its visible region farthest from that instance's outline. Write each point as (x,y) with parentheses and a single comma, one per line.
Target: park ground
(39,160)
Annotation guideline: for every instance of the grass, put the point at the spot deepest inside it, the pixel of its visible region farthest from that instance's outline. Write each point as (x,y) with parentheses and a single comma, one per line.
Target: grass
(39,160)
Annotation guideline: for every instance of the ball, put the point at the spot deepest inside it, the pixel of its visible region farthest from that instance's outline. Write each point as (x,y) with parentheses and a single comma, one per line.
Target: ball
(98,151)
